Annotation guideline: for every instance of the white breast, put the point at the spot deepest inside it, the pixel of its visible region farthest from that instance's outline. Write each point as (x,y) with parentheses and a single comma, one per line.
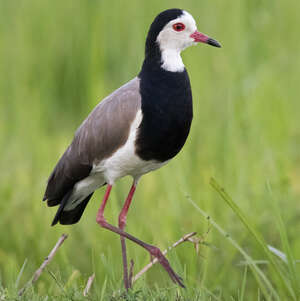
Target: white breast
(125,161)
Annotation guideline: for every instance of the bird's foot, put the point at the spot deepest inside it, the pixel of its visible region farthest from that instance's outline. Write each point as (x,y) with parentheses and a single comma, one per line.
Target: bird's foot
(156,252)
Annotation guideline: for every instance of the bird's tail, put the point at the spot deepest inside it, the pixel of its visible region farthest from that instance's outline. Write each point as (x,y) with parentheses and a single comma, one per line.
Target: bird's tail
(69,217)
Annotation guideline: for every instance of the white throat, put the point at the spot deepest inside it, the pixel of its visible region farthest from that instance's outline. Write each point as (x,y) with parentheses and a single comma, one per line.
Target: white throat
(172,42)
(171,60)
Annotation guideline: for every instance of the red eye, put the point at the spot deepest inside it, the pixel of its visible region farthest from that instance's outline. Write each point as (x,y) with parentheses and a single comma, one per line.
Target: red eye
(179,26)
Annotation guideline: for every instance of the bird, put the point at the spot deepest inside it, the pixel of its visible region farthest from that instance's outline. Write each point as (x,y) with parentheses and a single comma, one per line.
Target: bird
(137,129)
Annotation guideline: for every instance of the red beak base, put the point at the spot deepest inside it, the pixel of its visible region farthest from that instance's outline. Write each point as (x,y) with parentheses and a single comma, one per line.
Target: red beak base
(202,38)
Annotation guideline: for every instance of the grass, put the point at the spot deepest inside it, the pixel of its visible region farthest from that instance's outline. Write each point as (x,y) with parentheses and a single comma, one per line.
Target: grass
(58,59)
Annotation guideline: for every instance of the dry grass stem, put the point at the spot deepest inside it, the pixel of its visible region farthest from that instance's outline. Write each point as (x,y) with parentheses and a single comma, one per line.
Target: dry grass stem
(88,285)
(39,271)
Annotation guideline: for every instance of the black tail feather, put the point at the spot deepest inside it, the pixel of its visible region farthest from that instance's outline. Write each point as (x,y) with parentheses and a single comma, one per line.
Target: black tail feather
(52,203)
(61,207)
(71,216)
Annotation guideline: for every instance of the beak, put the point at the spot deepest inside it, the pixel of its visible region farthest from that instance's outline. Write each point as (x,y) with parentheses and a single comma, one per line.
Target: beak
(200,37)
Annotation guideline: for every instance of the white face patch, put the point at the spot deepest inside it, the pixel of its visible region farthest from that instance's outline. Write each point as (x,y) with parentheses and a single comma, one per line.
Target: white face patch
(172,42)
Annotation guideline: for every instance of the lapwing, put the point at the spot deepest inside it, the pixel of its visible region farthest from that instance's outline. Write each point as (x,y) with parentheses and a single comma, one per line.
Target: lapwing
(137,129)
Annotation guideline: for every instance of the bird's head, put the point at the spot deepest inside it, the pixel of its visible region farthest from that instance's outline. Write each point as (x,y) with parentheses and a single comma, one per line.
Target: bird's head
(172,31)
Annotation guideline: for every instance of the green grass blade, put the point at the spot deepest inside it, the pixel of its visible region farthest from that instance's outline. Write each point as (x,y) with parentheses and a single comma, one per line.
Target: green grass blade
(259,239)
(263,282)
(287,250)
(211,294)
(291,262)
(103,290)
(244,284)
(21,273)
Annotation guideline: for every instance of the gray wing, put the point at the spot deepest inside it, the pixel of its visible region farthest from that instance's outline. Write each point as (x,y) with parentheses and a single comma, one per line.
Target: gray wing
(103,132)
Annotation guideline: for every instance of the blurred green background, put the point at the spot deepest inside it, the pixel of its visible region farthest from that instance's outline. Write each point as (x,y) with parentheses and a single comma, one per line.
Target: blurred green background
(58,59)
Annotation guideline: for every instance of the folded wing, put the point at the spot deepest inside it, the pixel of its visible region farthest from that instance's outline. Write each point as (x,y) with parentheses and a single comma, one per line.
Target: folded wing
(104,131)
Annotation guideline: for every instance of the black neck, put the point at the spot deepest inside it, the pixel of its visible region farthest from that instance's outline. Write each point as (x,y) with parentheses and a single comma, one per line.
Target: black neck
(152,61)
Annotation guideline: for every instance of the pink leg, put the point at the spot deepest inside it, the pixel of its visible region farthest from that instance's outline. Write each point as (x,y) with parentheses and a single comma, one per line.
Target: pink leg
(123,213)
(154,251)
(122,224)
(104,201)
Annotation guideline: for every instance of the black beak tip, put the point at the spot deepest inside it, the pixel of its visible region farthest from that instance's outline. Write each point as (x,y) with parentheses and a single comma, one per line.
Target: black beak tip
(213,42)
